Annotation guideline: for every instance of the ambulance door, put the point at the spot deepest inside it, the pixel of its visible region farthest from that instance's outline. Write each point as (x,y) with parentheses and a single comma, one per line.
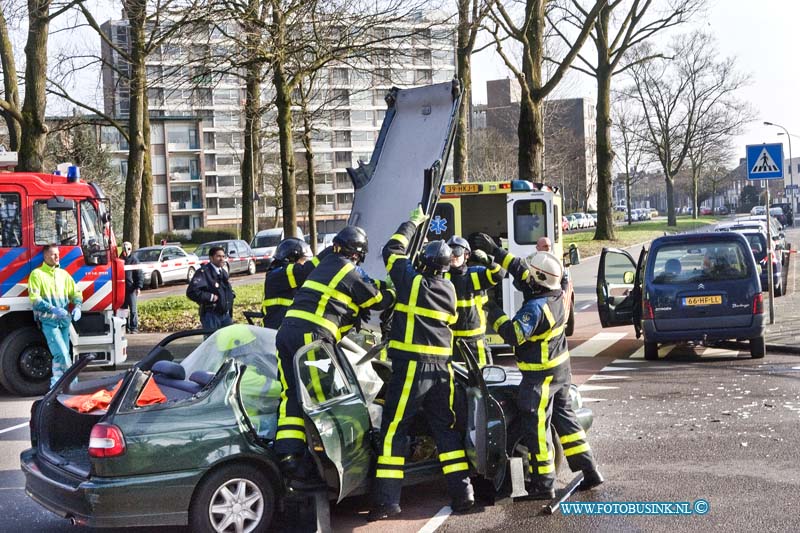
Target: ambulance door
(529,218)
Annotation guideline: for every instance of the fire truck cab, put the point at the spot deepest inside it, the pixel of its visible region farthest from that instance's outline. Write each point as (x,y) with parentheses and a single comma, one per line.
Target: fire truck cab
(516,213)
(37,209)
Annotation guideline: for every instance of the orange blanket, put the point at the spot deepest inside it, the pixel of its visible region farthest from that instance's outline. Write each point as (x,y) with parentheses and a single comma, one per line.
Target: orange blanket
(86,403)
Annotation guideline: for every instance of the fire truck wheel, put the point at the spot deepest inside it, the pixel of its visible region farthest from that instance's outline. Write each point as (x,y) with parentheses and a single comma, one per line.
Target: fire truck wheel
(25,362)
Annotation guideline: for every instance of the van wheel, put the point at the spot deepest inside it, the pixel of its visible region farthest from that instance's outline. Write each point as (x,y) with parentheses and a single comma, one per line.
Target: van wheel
(758,347)
(155,280)
(251,267)
(25,362)
(235,497)
(651,351)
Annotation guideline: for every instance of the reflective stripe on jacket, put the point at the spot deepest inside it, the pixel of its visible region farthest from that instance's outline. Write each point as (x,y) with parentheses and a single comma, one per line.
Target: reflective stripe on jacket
(470,285)
(50,288)
(280,286)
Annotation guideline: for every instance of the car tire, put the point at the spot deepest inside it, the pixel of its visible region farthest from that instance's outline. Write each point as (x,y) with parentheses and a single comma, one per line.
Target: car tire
(570,327)
(25,362)
(758,347)
(226,485)
(251,267)
(155,280)
(650,351)
(189,274)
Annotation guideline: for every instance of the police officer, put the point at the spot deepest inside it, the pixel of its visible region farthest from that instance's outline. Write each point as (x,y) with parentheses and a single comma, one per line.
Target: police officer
(290,267)
(211,289)
(325,307)
(537,334)
(420,346)
(471,283)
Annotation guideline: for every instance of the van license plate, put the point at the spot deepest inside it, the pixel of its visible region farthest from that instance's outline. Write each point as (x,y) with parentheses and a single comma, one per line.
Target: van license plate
(703,300)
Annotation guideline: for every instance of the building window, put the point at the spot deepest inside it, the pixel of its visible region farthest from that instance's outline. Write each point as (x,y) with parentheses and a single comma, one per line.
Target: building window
(323,178)
(344,200)
(422,77)
(340,76)
(325,202)
(447,57)
(422,57)
(340,97)
(381,76)
(341,139)
(341,118)
(344,159)
(363,137)
(343,180)
(227,203)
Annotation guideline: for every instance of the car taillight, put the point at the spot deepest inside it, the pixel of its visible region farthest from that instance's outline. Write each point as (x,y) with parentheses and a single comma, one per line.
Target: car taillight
(758,304)
(647,310)
(106,440)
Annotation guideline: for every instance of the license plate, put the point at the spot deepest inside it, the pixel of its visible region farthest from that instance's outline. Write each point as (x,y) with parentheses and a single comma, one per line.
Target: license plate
(703,300)
(461,188)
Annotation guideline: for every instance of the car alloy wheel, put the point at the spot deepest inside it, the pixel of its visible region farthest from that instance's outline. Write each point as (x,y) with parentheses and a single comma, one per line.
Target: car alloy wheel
(233,497)
(237,505)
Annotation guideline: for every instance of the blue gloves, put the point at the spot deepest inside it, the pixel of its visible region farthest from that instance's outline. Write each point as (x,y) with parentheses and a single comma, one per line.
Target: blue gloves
(76,314)
(60,313)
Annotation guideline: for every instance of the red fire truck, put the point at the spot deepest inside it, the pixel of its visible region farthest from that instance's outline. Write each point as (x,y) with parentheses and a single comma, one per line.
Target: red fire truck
(37,209)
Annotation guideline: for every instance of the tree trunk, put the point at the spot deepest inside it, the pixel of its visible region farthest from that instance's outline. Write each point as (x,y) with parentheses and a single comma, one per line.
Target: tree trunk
(628,196)
(312,194)
(133,181)
(250,157)
(605,151)
(146,218)
(670,180)
(695,207)
(464,75)
(33,128)
(283,103)
(530,129)
(10,87)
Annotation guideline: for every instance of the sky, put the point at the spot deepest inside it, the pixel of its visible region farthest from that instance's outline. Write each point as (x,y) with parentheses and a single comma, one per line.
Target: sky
(759,34)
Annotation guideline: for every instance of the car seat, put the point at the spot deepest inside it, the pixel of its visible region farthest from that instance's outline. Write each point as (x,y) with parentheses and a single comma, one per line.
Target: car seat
(672,266)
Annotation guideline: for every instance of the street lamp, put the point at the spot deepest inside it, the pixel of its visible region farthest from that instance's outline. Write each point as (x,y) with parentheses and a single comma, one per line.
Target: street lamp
(791,173)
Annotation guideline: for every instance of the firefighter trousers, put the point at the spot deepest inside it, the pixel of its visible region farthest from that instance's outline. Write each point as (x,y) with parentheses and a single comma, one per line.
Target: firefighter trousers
(291,435)
(477,345)
(58,341)
(544,399)
(414,385)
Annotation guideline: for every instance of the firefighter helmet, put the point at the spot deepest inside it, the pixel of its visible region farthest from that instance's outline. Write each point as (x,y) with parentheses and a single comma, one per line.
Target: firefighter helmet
(435,256)
(459,245)
(352,240)
(545,269)
(292,249)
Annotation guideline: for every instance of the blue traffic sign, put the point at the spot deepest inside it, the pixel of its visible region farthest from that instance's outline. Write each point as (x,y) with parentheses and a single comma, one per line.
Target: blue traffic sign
(765,161)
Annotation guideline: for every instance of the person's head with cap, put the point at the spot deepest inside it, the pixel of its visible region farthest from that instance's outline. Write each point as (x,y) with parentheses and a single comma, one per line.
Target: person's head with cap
(461,251)
(543,275)
(127,248)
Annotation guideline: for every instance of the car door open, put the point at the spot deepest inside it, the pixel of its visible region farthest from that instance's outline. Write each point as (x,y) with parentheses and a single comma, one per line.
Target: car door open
(616,298)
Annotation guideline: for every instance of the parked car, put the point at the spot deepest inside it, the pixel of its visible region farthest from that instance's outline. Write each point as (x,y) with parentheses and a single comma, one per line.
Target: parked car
(776,231)
(653,213)
(565,224)
(206,452)
(163,264)
(787,212)
(264,243)
(324,240)
(763,253)
(705,210)
(758,210)
(592,219)
(778,214)
(574,221)
(722,210)
(239,257)
(582,220)
(694,287)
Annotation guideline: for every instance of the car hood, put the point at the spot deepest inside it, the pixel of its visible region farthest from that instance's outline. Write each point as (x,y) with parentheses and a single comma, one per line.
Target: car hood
(266,250)
(407,165)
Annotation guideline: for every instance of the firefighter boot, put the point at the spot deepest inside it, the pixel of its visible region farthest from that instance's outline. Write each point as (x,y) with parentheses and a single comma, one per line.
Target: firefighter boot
(538,491)
(464,502)
(383,511)
(591,479)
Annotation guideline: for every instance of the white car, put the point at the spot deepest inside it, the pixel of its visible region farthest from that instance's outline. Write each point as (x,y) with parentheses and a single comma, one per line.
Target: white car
(265,242)
(163,264)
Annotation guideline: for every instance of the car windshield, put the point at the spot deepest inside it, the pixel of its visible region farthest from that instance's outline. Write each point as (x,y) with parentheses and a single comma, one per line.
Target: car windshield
(263,241)
(758,244)
(203,249)
(147,256)
(697,262)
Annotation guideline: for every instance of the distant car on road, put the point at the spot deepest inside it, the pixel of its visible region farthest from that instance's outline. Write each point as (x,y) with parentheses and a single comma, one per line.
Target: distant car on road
(564,224)
(164,264)
(758,210)
(787,211)
(239,257)
(264,243)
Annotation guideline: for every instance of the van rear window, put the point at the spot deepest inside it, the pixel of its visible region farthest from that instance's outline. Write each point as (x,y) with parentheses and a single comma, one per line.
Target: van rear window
(699,262)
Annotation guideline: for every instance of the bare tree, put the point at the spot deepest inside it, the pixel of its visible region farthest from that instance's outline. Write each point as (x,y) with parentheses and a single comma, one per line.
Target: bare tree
(677,98)
(528,31)
(492,155)
(630,138)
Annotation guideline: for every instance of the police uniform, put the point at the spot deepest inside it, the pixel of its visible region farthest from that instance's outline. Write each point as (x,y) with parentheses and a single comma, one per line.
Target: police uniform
(420,347)
(540,346)
(207,281)
(280,285)
(325,307)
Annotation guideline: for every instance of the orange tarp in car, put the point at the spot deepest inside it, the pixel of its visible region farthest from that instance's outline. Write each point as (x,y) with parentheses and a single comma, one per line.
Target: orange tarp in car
(86,403)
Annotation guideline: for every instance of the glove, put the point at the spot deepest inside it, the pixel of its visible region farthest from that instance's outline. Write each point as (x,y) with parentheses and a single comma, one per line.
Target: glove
(481,241)
(60,313)
(76,314)
(388,283)
(418,216)
(480,258)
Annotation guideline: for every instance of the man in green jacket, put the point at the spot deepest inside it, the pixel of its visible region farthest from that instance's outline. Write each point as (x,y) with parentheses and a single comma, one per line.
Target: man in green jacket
(51,290)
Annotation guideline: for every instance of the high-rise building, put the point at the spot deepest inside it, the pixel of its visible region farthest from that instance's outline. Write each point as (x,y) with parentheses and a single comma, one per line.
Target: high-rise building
(197,129)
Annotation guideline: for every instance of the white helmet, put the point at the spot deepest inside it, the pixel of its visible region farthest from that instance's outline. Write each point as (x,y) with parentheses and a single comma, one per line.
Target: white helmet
(545,269)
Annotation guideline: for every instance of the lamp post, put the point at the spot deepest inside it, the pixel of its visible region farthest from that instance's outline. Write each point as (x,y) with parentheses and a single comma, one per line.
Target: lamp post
(791,173)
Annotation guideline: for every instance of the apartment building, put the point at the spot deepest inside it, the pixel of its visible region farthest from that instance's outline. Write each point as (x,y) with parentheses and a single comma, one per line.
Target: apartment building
(197,129)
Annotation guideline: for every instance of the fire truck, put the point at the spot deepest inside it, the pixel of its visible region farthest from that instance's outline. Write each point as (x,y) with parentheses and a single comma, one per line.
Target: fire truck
(516,213)
(38,209)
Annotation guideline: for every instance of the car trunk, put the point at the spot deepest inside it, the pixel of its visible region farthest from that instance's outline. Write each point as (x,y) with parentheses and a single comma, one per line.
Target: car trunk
(693,311)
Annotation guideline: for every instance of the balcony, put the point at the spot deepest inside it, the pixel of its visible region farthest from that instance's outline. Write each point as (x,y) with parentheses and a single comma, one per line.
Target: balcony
(183,176)
(185,206)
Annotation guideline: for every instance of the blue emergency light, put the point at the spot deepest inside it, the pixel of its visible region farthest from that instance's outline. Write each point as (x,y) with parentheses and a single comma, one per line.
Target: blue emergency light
(521,185)
(73,174)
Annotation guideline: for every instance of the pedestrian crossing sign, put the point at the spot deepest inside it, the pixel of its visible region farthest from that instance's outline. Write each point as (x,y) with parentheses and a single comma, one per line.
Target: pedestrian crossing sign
(765,161)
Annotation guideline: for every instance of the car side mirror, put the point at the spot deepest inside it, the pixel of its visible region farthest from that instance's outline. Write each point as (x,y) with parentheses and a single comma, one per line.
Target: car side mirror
(493,375)
(628,277)
(232,252)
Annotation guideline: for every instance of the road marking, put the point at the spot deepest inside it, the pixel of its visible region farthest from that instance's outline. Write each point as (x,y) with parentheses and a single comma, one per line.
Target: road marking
(437,520)
(599,377)
(13,428)
(592,400)
(617,368)
(586,387)
(584,307)
(625,361)
(596,344)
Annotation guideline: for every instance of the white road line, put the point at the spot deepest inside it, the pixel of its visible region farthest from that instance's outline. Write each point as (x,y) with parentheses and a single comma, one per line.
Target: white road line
(625,361)
(596,344)
(600,377)
(586,387)
(584,307)
(437,520)
(592,400)
(13,428)
(617,368)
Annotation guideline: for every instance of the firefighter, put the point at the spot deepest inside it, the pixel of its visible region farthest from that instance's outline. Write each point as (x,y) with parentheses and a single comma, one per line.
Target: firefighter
(325,307)
(290,267)
(471,283)
(540,346)
(420,347)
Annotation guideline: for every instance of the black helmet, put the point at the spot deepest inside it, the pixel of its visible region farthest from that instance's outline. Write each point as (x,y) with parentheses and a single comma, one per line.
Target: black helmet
(459,245)
(352,240)
(435,256)
(291,250)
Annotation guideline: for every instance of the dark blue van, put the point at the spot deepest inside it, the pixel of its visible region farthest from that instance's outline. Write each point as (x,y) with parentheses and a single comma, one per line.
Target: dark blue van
(692,287)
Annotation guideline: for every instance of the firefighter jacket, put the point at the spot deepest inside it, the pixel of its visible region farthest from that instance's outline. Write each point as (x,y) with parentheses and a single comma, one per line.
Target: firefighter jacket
(210,281)
(333,296)
(51,288)
(280,286)
(425,308)
(471,284)
(536,331)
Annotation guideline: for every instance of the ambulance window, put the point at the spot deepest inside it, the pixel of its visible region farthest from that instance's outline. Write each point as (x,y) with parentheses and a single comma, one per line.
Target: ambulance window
(10,221)
(530,221)
(556,224)
(60,227)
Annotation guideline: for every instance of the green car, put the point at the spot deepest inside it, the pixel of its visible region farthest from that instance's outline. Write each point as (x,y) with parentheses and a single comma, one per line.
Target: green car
(202,455)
